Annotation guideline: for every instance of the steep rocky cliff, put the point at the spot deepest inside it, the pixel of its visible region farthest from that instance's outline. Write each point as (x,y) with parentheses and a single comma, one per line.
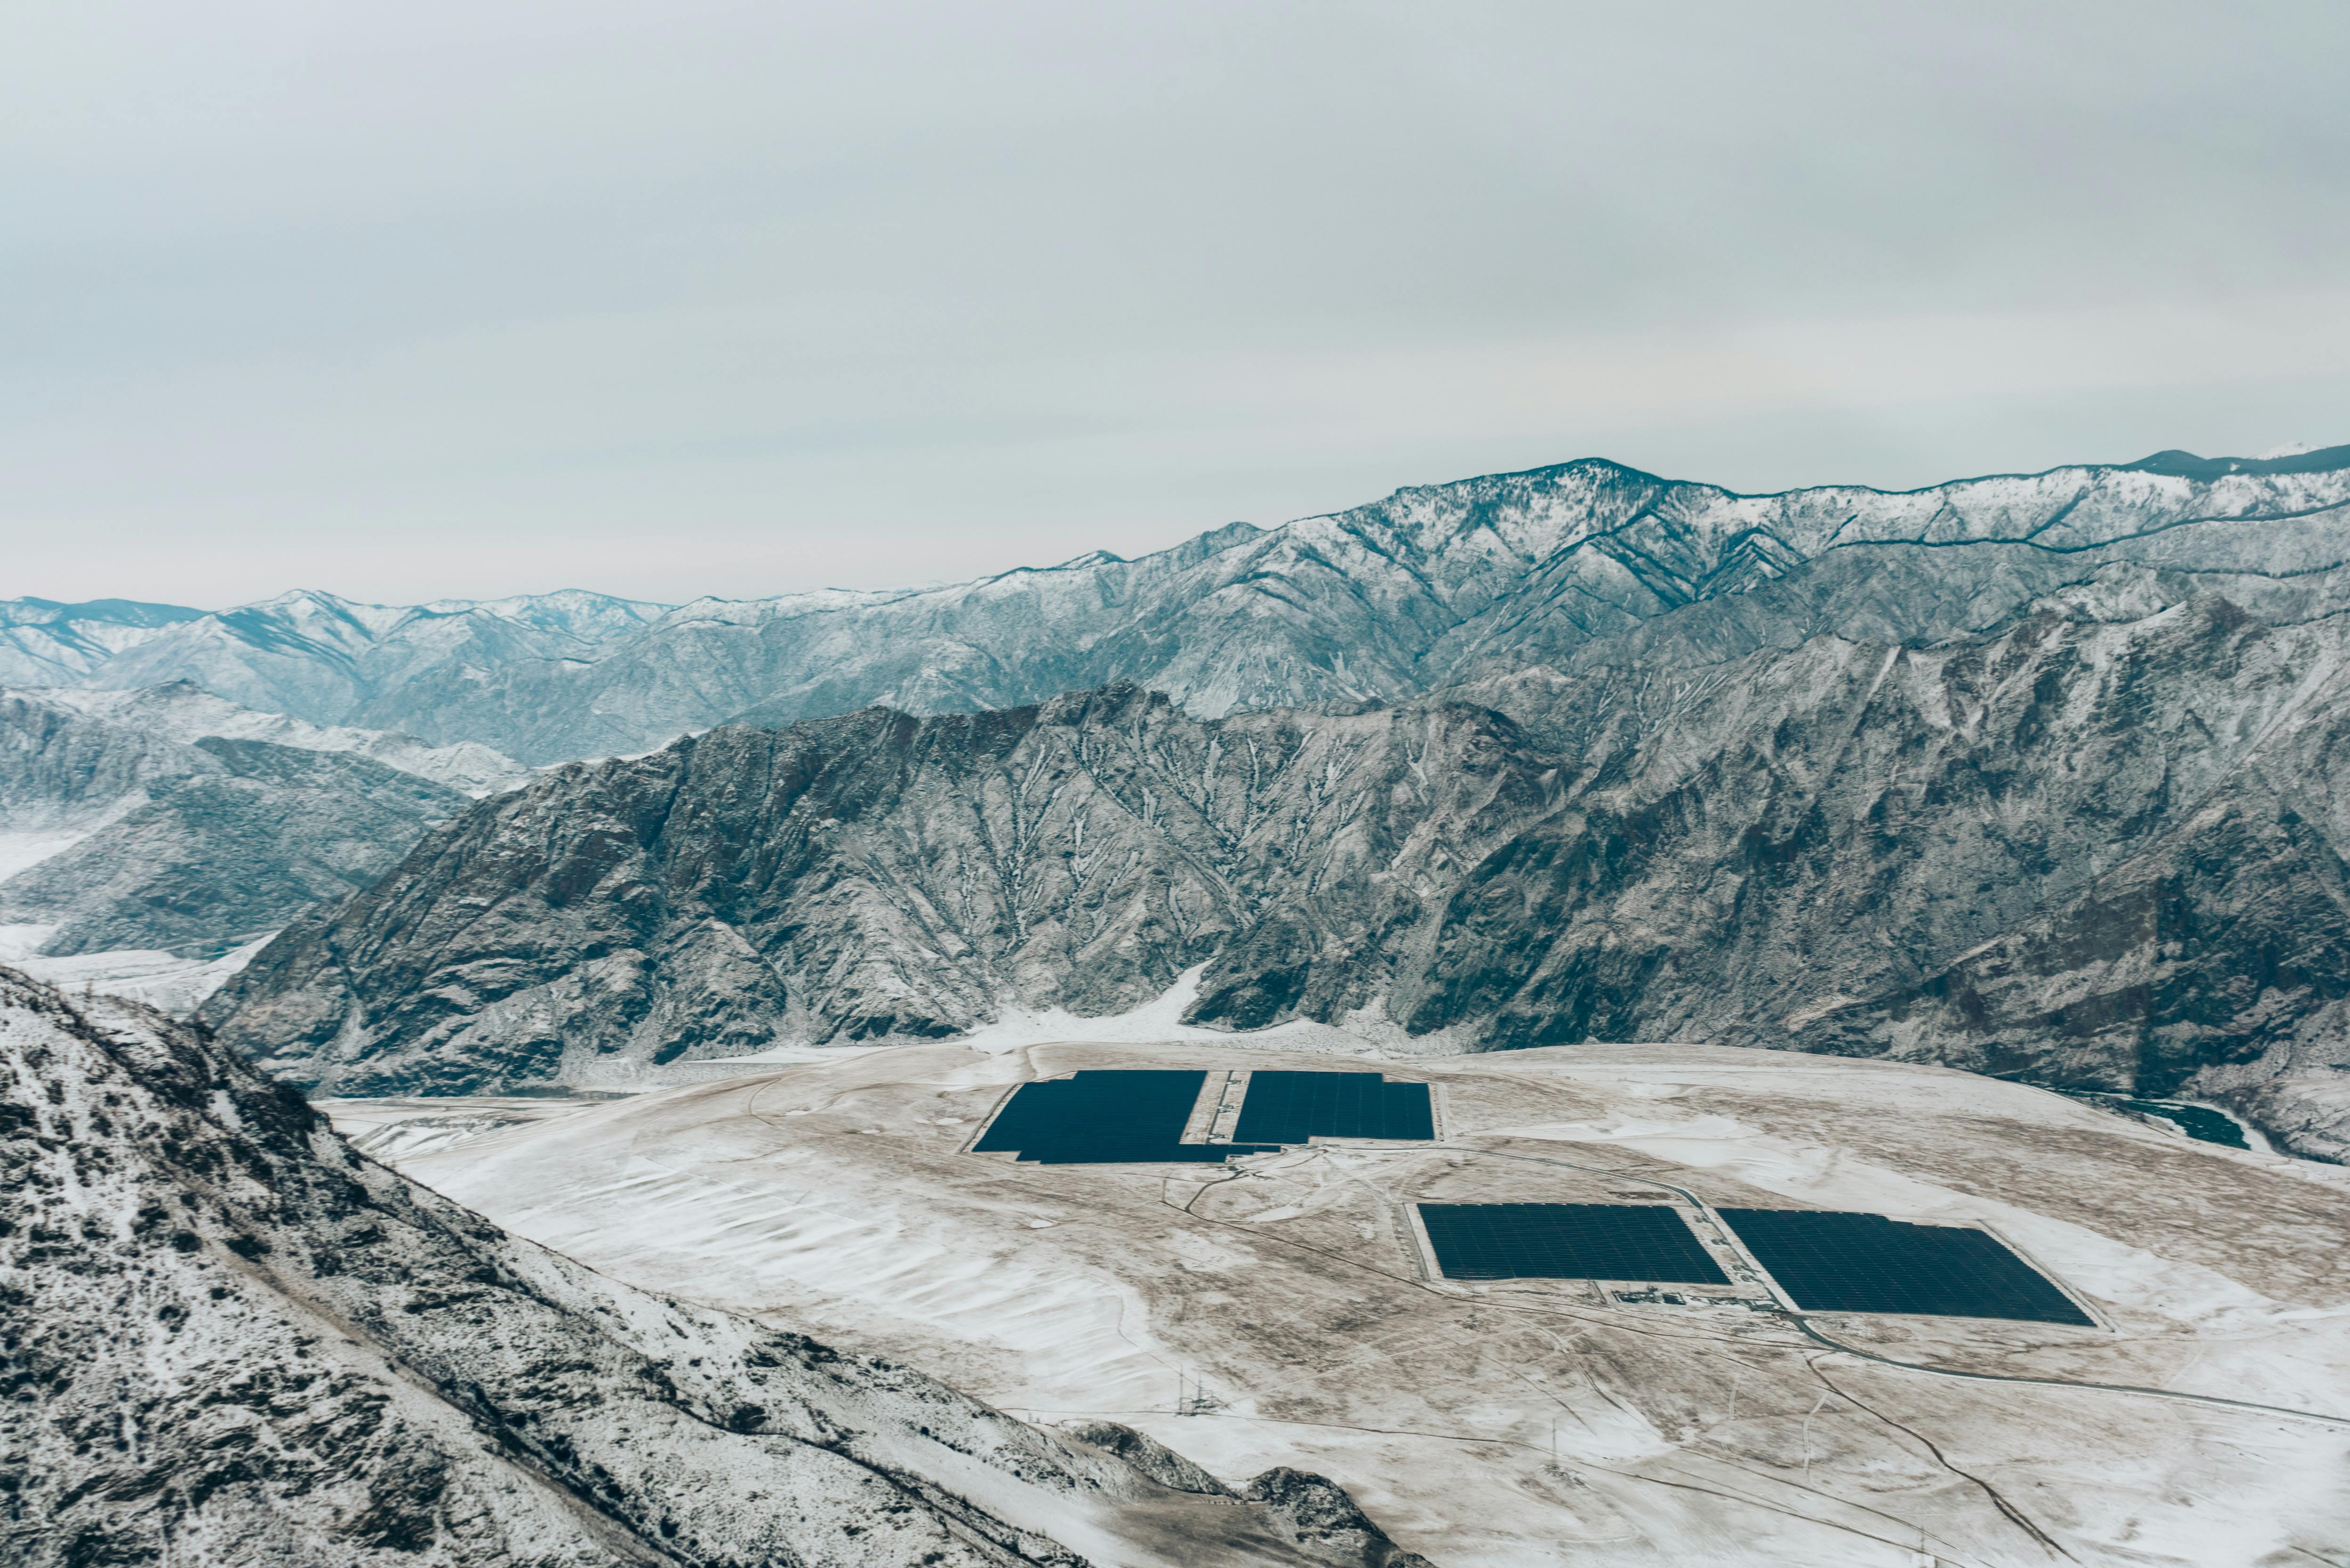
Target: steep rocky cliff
(873,875)
(2093,852)
(229,1338)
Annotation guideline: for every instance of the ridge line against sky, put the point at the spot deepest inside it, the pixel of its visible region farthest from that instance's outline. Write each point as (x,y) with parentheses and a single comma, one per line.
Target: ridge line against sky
(882,591)
(456,301)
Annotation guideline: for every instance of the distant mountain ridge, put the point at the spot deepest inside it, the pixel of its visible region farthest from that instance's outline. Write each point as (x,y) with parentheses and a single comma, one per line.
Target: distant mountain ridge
(1431,586)
(165,819)
(142,841)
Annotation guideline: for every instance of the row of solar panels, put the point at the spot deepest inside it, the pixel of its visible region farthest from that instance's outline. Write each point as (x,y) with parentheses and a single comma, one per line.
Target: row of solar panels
(1137,1117)
(1827,1261)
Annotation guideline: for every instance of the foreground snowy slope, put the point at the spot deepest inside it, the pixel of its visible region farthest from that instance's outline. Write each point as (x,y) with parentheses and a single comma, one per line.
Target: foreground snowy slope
(232,1339)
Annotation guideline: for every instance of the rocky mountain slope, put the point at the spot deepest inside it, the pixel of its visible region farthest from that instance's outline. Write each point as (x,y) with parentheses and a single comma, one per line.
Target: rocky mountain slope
(1431,586)
(232,1339)
(121,834)
(2094,852)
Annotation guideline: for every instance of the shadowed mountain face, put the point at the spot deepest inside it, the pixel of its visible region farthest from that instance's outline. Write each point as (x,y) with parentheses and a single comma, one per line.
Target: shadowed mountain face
(214,860)
(147,841)
(1431,586)
(2092,852)
(232,1339)
(165,819)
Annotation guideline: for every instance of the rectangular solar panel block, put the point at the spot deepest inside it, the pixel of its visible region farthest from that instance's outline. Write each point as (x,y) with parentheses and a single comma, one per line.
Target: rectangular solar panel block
(1830,1262)
(1567,1242)
(1104,1117)
(1296,1107)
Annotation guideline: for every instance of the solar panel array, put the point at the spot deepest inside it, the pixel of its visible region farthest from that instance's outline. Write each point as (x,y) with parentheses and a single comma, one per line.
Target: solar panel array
(1293,1108)
(1137,1117)
(1105,1118)
(1865,1262)
(1567,1242)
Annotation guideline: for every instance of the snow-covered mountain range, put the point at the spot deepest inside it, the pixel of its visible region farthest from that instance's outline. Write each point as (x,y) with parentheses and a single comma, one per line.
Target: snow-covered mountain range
(2097,854)
(2027,774)
(1431,586)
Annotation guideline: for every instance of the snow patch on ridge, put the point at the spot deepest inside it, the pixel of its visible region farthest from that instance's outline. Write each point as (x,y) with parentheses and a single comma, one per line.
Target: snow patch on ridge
(166,981)
(1153,1022)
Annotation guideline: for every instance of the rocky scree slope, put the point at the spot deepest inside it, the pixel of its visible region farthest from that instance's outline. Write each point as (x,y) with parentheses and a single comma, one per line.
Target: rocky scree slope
(1433,586)
(2093,854)
(146,842)
(229,1338)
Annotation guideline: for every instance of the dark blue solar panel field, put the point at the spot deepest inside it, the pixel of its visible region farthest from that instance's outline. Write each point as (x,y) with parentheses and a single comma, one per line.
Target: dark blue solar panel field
(1293,1108)
(1567,1242)
(1865,1262)
(1136,1116)
(1105,1117)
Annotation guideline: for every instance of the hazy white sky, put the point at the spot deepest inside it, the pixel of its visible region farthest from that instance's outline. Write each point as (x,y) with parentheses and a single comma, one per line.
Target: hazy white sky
(468,299)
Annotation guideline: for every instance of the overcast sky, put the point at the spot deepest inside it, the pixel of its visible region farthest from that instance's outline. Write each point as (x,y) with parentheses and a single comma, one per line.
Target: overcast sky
(427,299)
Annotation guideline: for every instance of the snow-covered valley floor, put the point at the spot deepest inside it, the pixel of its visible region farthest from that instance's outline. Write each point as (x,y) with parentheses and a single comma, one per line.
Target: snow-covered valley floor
(1528,1422)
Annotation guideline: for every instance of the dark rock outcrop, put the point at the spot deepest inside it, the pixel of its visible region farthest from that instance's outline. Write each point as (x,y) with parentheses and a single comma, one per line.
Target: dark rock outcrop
(1326,1519)
(1149,1455)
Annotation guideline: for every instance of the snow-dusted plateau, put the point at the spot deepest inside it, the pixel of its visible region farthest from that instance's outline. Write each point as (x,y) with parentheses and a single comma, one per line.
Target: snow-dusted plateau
(670,958)
(1282,1311)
